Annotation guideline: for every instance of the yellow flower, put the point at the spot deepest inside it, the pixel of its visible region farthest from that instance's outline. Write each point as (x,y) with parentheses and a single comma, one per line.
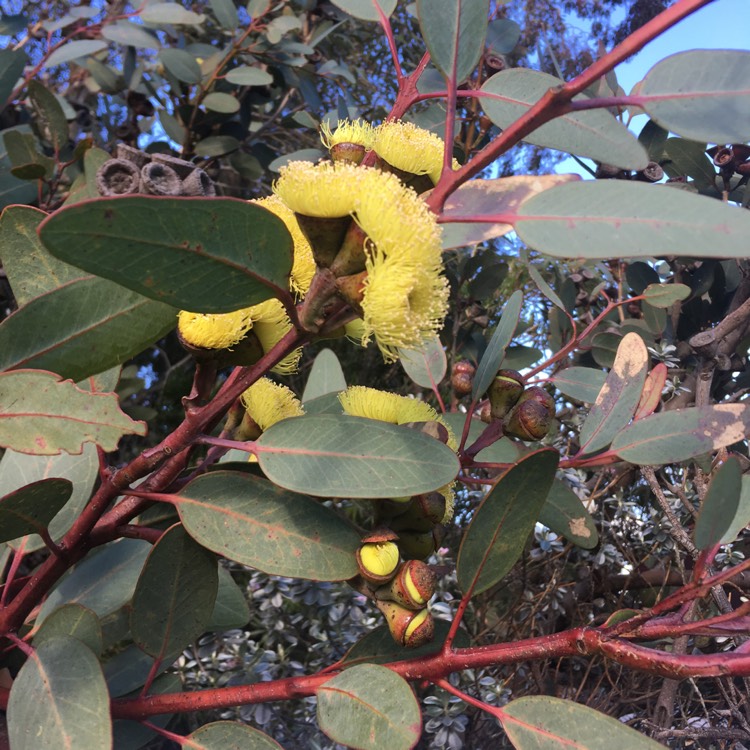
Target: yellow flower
(397,221)
(361,401)
(271,325)
(323,190)
(214,331)
(402,305)
(357,131)
(268,321)
(410,148)
(268,402)
(303,268)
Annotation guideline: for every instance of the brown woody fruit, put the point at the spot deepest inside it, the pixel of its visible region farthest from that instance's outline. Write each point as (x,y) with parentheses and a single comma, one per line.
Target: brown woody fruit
(413,585)
(532,416)
(408,628)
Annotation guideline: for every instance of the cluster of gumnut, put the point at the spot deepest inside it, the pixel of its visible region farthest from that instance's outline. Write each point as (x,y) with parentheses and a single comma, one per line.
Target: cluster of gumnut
(526,413)
(392,569)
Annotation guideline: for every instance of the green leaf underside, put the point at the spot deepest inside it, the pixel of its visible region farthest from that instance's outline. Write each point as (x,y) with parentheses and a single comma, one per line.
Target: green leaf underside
(616,402)
(493,355)
(665,295)
(365,10)
(175,594)
(673,436)
(31,270)
(604,219)
(74,621)
(719,510)
(59,699)
(369,707)
(229,735)
(326,376)
(20,469)
(563,512)
(545,723)
(82,328)
(12,63)
(205,255)
(425,366)
(250,521)
(701,94)
(503,521)
(580,383)
(41,415)
(593,133)
(30,509)
(454,32)
(330,455)
(231,609)
(102,582)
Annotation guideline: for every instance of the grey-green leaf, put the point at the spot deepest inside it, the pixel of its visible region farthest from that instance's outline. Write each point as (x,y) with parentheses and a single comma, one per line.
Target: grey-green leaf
(74,621)
(366,10)
(30,509)
(369,707)
(607,219)
(326,376)
(564,513)
(426,366)
(59,699)
(493,355)
(580,383)
(175,594)
(594,133)
(81,328)
(718,511)
(503,521)
(701,94)
(332,455)
(204,255)
(454,31)
(249,520)
(230,735)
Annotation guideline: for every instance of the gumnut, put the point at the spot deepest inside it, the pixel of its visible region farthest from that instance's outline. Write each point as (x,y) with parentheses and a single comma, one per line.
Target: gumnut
(413,585)
(504,391)
(408,628)
(462,378)
(532,416)
(378,556)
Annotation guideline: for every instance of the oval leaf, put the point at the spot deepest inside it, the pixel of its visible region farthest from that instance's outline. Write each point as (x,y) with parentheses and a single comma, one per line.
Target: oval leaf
(130,34)
(425,366)
(30,509)
(175,594)
(217,101)
(252,522)
(673,436)
(503,521)
(619,396)
(59,699)
(719,509)
(332,455)
(230,735)
(604,219)
(454,31)
(564,513)
(493,355)
(594,133)
(182,65)
(545,723)
(581,383)
(74,50)
(74,621)
(170,13)
(12,64)
(103,582)
(366,10)
(204,255)
(665,295)
(82,328)
(43,416)
(247,75)
(480,198)
(701,94)
(326,376)
(369,707)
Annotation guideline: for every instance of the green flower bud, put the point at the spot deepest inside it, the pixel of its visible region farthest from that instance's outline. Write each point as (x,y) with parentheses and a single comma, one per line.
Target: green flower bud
(504,392)
(532,416)
(424,512)
(416,545)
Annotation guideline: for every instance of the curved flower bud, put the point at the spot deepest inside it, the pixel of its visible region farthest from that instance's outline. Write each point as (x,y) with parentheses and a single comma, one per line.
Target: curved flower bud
(532,416)
(413,585)
(424,512)
(408,628)
(416,545)
(462,378)
(349,142)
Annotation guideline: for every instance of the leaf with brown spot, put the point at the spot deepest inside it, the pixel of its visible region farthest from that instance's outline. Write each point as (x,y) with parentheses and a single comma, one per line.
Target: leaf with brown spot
(619,396)
(673,436)
(651,394)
